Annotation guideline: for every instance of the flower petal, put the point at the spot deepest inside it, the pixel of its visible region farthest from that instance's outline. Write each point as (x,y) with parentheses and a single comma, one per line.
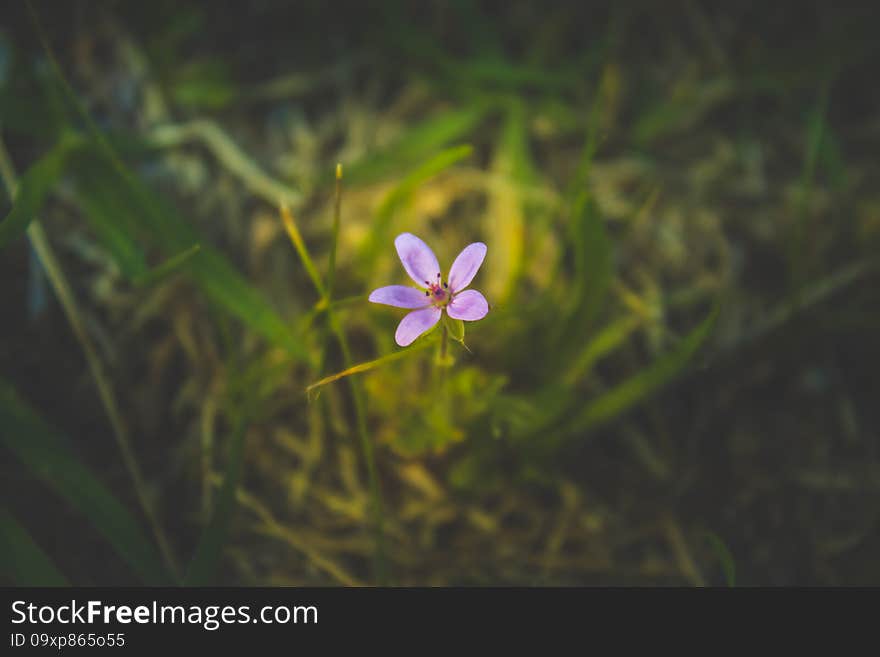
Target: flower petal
(417,257)
(400,296)
(416,323)
(469,305)
(466,266)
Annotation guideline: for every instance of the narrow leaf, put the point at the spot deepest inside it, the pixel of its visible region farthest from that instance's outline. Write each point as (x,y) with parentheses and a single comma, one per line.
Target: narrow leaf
(23,561)
(591,252)
(724,556)
(35,186)
(605,342)
(110,213)
(415,144)
(52,460)
(210,548)
(593,264)
(171,266)
(372,364)
(637,388)
(403,192)
(505,219)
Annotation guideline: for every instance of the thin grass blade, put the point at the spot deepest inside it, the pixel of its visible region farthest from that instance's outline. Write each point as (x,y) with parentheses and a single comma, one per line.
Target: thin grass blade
(22,561)
(210,549)
(35,186)
(640,386)
(51,459)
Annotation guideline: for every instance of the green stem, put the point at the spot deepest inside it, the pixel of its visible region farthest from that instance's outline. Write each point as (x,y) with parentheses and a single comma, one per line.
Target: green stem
(443,364)
(337,207)
(380,560)
(325,292)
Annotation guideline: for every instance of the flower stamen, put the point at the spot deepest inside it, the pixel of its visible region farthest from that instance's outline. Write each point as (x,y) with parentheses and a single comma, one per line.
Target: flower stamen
(438,292)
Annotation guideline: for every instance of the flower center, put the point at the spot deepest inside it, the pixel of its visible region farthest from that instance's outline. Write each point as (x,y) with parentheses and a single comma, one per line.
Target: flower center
(438,292)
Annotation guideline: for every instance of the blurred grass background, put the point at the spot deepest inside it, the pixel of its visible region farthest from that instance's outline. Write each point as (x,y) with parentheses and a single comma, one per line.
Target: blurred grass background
(676,383)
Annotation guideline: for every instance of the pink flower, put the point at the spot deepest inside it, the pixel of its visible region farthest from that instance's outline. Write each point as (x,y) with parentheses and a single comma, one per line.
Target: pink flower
(434,293)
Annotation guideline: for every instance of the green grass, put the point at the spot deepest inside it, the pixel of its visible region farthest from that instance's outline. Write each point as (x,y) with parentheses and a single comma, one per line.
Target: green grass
(268,422)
